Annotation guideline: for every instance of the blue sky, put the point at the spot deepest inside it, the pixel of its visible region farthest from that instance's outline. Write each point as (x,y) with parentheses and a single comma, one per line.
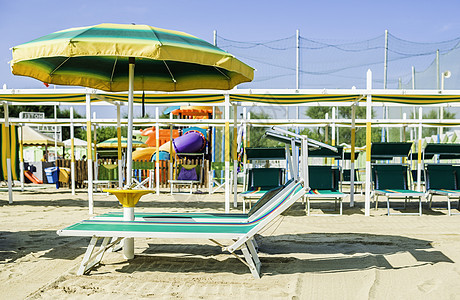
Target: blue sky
(420,21)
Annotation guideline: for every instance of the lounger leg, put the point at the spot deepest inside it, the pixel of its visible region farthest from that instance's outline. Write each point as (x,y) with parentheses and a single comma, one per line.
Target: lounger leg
(448,205)
(254,243)
(308,206)
(376,201)
(420,206)
(254,255)
(99,255)
(341,206)
(251,259)
(388,205)
(88,254)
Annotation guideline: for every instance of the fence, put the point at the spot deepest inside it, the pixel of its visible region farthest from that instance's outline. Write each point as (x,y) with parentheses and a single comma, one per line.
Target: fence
(108,170)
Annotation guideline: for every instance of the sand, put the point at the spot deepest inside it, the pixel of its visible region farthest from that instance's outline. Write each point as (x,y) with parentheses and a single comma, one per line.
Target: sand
(316,257)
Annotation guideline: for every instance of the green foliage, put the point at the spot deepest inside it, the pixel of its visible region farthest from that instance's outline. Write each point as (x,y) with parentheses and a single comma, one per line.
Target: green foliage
(14,110)
(256,133)
(434,114)
(319,133)
(102,133)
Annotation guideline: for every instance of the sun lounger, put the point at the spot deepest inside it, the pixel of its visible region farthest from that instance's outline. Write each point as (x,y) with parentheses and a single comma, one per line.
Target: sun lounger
(261,180)
(441,179)
(391,181)
(239,229)
(324,185)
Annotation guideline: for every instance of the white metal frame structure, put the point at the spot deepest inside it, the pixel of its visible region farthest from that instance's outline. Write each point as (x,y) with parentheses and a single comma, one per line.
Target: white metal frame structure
(8,95)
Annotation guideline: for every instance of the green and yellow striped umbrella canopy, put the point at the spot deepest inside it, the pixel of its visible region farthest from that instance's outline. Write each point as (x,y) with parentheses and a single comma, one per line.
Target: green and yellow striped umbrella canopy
(113,144)
(97,57)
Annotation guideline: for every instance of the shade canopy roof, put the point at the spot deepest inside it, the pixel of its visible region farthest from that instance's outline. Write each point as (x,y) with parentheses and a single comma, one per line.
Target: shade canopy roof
(76,142)
(112,143)
(31,137)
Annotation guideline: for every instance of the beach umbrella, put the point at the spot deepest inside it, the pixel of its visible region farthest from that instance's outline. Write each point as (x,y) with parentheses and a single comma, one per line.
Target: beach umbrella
(113,143)
(103,57)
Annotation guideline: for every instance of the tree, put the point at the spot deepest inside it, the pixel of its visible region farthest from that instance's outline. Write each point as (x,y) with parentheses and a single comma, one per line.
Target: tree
(256,133)
(14,110)
(434,114)
(103,133)
(319,133)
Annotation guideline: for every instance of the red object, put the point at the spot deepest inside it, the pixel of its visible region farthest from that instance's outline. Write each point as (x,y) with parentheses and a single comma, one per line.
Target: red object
(32,177)
(46,84)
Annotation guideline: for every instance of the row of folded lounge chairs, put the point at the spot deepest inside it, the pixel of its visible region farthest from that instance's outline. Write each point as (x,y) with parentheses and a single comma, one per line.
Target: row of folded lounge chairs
(238,230)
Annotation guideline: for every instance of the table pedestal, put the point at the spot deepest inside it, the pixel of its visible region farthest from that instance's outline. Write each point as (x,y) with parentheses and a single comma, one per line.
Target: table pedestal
(129,199)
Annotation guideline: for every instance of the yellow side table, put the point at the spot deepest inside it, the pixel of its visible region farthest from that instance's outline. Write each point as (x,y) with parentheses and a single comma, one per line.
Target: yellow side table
(129,199)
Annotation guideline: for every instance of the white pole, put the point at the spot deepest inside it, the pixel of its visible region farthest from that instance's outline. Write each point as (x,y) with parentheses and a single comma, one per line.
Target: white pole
(55,135)
(297,60)
(89,154)
(385,74)
(385,62)
(157,158)
(245,128)
(72,153)
(129,150)
(333,126)
(6,140)
(437,69)
(96,166)
(227,152)
(419,160)
(119,155)
(297,80)
(352,158)
(128,212)
(235,156)
(128,243)
(367,204)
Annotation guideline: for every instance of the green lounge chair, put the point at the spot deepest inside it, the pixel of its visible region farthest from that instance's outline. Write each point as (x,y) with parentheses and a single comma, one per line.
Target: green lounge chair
(441,179)
(324,185)
(240,231)
(261,180)
(391,181)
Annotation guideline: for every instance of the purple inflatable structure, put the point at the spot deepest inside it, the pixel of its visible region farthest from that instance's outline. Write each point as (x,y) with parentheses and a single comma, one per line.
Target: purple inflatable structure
(191,142)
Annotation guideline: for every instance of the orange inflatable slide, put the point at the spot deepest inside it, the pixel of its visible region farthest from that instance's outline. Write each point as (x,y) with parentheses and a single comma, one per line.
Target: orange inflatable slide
(32,177)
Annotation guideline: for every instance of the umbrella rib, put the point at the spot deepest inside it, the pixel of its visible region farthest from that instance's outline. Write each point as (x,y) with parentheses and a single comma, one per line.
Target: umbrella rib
(55,69)
(225,75)
(113,70)
(170,73)
(155,34)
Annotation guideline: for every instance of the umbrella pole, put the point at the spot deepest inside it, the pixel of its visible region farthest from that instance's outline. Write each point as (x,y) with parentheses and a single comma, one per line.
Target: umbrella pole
(128,212)
(89,154)
(72,153)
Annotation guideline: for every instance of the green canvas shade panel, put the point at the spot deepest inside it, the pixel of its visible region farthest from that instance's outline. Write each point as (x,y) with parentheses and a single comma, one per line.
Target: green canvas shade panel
(14,152)
(386,151)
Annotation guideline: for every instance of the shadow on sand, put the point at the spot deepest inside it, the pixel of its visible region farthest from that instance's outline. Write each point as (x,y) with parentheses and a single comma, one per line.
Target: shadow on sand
(331,253)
